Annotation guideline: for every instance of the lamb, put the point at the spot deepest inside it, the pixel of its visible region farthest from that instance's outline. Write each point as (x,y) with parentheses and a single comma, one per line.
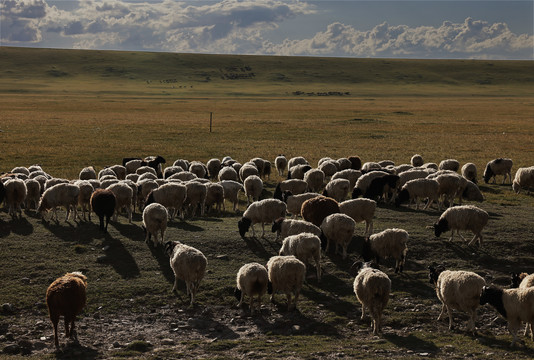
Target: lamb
(253,188)
(449,164)
(264,211)
(294,202)
(524,179)
(459,290)
(65,195)
(315,179)
(155,220)
(123,196)
(469,171)
(304,246)
(337,189)
(364,181)
(231,191)
(188,264)
(372,288)
(360,210)
(286,275)
(380,187)
(501,166)
(33,193)
(172,196)
(103,203)
(316,209)
(298,171)
(350,174)
(417,160)
(87,173)
(419,189)
(246,170)
(251,280)
(195,196)
(280,162)
(338,229)
(227,173)
(390,243)
(213,166)
(287,227)
(66,297)
(214,196)
(84,197)
(515,305)
(464,217)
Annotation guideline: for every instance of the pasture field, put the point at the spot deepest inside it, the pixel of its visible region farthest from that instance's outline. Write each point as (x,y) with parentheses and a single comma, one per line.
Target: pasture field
(69,109)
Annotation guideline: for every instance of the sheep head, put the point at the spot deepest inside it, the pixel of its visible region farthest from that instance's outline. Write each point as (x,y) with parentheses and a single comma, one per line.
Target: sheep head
(367,252)
(488,173)
(243,225)
(277,225)
(237,293)
(440,227)
(356,193)
(433,273)
(493,296)
(169,247)
(403,197)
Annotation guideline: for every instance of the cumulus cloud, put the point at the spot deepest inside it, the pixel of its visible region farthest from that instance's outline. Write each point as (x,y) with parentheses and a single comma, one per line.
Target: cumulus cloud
(20,20)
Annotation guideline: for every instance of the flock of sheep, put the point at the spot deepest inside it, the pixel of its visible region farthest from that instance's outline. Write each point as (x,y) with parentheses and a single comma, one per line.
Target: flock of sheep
(328,219)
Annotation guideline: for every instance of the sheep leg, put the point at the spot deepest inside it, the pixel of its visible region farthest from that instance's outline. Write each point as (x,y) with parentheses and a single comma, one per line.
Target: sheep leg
(460,235)
(175,287)
(513,326)
(471,321)
(428,203)
(442,312)
(363,312)
(450,318)
(263,230)
(55,321)
(288,296)
(318,267)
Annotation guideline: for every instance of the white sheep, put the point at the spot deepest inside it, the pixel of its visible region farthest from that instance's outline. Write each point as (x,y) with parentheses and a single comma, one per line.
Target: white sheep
(419,189)
(338,229)
(297,160)
(343,164)
(188,264)
(524,179)
(253,188)
(172,196)
(15,194)
(87,173)
(372,288)
(227,173)
(464,217)
(412,174)
(329,167)
(287,227)
(155,221)
(248,169)
(360,210)
(298,171)
(399,169)
(213,166)
(450,186)
(370,166)
(449,164)
(264,211)
(146,169)
(472,192)
(286,275)
(33,193)
(62,194)
(458,290)
(280,162)
(296,186)
(251,280)
(390,243)
(171,170)
(294,202)
(501,166)
(214,196)
(469,171)
(196,196)
(417,160)
(364,181)
(132,165)
(199,169)
(123,198)
(84,197)
(260,164)
(350,174)
(305,247)
(119,170)
(20,170)
(106,171)
(337,189)
(231,191)
(315,179)
(183,176)
(54,181)
(184,164)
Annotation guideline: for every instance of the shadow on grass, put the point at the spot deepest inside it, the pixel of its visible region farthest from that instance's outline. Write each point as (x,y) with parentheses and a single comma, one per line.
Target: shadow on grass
(119,258)
(183,225)
(19,226)
(411,342)
(73,350)
(158,252)
(257,248)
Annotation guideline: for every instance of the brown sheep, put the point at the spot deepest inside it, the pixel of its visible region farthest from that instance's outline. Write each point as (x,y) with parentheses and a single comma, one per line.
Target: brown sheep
(315,210)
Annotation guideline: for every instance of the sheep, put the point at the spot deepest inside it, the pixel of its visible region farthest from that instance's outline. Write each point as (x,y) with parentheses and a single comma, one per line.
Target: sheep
(214,196)
(103,203)
(231,191)
(350,174)
(195,196)
(523,281)
(171,170)
(315,179)
(304,246)
(386,163)
(464,217)
(253,188)
(390,243)
(246,170)
(356,162)
(33,193)
(60,195)
(329,167)
(524,179)
(123,195)
(294,202)
(417,160)
(260,164)
(449,164)
(171,196)
(298,171)
(213,166)
(399,169)
(143,190)
(266,174)
(199,169)
(297,160)
(264,211)
(132,165)
(2,192)
(501,166)
(380,187)
(184,164)
(412,174)
(337,189)
(515,305)
(119,170)
(360,210)
(87,173)
(155,163)
(450,186)
(20,170)
(183,176)
(370,166)
(227,173)
(458,290)
(372,287)
(469,171)
(430,165)
(84,197)
(54,181)
(188,264)
(106,171)
(155,220)
(316,209)
(66,296)
(251,280)
(419,189)
(286,275)
(287,227)
(363,182)
(15,190)
(344,164)
(237,166)
(338,229)
(280,162)
(296,186)
(146,169)
(472,192)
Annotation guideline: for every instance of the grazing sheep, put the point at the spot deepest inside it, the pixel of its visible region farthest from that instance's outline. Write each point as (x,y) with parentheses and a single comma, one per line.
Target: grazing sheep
(66,297)
(119,170)
(329,167)
(237,166)
(390,243)
(172,196)
(106,171)
(84,197)
(412,174)
(458,290)
(280,162)
(523,281)
(304,246)
(370,166)
(144,188)
(338,229)
(251,280)
(449,164)
(184,164)
(294,202)
(196,196)
(315,179)
(364,181)
(469,171)
(231,191)
(419,189)
(253,188)
(65,195)
(286,275)
(464,217)
(298,171)
(213,166)
(496,167)
(297,160)
(146,169)
(183,176)
(399,169)
(472,192)
(287,227)
(33,193)
(155,163)
(381,187)
(372,288)
(266,174)
(386,163)
(87,173)
(450,186)
(316,209)
(227,173)
(260,164)
(360,210)
(199,169)
(344,164)
(188,264)
(155,220)
(524,179)
(264,211)
(356,162)
(247,170)
(103,203)
(132,165)
(214,196)
(350,174)
(433,166)
(337,189)
(20,170)
(417,160)
(171,170)
(515,305)
(123,196)
(296,186)
(15,190)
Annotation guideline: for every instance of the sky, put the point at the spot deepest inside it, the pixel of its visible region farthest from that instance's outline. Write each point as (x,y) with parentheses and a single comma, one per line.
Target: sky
(444,29)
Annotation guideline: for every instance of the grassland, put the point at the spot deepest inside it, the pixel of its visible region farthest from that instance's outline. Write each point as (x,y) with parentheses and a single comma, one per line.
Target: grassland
(69,109)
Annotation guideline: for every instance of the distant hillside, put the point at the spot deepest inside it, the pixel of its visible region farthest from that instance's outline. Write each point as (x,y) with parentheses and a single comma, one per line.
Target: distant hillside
(28,69)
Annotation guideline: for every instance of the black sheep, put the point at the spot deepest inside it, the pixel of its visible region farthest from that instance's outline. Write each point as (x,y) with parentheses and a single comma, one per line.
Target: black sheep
(103,204)
(382,185)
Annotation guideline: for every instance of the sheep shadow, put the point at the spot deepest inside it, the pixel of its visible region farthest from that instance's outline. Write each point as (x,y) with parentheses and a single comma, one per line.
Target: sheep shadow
(202,320)
(128,230)
(73,350)
(69,232)
(257,248)
(158,252)
(119,258)
(19,226)
(411,342)
(186,226)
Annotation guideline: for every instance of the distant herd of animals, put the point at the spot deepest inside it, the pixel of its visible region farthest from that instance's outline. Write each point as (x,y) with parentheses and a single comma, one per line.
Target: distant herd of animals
(317,195)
